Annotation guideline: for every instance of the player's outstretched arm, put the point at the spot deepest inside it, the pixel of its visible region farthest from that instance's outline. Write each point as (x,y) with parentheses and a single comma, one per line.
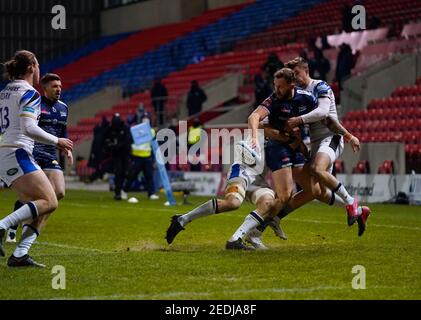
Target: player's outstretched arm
(335,126)
(253,123)
(30,128)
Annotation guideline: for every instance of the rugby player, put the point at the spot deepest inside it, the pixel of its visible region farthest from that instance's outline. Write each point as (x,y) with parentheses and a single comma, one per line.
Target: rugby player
(20,108)
(53,119)
(326,146)
(244,181)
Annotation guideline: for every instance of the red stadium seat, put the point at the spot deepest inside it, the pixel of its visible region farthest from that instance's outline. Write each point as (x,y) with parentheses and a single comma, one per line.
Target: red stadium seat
(387,167)
(339,166)
(362,167)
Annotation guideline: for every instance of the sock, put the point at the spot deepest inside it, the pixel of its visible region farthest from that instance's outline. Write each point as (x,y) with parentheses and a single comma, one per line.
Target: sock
(29,235)
(206,209)
(341,191)
(337,201)
(17,206)
(250,222)
(265,224)
(286,210)
(26,212)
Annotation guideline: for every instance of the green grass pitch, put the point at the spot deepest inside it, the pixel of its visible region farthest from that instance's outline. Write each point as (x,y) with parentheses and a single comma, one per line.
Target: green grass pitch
(117,250)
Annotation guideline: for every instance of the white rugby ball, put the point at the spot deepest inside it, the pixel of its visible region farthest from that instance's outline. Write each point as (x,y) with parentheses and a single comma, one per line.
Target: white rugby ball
(133,200)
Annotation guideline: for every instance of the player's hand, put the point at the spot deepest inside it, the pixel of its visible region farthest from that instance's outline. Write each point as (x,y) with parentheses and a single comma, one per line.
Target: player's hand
(254,144)
(69,156)
(355,144)
(65,144)
(298,145)
(293,123)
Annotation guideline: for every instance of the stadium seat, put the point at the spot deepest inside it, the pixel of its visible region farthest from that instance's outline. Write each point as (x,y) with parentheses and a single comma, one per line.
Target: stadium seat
(387,167)
(362,167)
(339,166)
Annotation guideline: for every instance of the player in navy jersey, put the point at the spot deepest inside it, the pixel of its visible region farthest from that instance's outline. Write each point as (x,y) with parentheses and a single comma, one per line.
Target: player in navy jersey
(286,163)
(287,101)
(53,119)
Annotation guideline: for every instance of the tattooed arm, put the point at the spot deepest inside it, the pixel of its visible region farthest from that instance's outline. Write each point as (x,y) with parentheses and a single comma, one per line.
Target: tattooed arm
(335,126)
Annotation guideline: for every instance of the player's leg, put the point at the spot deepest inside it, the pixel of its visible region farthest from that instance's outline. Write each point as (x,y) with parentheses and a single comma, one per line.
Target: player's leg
(264,199)
(35,190)
(231,202)
(283,183)
(328,151)
(12,231)
(235,193)
(56,178)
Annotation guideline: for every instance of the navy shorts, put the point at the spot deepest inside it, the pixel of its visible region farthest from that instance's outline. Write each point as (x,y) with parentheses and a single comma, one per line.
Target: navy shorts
(48,163)
(279,156)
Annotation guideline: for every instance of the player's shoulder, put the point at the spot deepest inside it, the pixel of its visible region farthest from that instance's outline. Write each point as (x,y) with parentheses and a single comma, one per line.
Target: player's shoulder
(267,103)
(302,92)
(28,93)
(62,104)
(320,86)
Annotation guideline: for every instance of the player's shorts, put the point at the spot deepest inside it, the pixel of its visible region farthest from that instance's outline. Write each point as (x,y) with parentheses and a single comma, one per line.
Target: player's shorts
(244,183)
(333,146)
(15,163)
(48,164)
(279,156)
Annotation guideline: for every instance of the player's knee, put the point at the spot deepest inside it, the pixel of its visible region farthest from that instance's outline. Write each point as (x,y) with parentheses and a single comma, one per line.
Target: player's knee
(233,203)
(266,202)
(284,195)
(316,170)
(52,204)
(316,191)
(60,194)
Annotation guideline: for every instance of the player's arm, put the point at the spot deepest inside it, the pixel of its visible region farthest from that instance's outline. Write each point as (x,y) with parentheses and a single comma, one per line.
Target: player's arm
(67,153)
(319,113)
(253,122)
(335,126)
(29,103)
(275,134)
(30,128)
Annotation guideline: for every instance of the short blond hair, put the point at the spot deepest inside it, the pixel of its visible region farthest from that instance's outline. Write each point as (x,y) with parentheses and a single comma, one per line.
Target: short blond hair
(297,62)
(287,74)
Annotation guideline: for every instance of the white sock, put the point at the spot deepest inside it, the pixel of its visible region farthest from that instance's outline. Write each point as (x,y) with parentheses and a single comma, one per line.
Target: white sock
(250,222)
(29,235)
(341,192)
(206,209)
(337,201)
(28,211)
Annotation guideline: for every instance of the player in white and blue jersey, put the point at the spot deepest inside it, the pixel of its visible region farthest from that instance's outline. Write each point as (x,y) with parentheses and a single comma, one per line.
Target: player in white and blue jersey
(326,145)
(52,119)
(19,112)
(245,181)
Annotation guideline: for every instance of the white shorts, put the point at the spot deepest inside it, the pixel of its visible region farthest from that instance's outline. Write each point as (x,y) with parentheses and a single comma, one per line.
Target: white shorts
(333,146)
(15,163)
(251,184)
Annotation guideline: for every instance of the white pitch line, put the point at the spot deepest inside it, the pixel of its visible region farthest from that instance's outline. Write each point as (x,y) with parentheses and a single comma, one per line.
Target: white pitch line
(370,225)
(246,291)
(104,206)
(65,246)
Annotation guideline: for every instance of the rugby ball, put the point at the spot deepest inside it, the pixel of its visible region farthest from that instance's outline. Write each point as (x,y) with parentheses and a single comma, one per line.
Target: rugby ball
(133,200)
(246,153)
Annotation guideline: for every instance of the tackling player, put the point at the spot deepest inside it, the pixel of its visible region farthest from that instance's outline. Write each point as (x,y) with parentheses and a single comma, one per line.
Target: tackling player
(19,112)
(326,146)
(53,119)
(244,181)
